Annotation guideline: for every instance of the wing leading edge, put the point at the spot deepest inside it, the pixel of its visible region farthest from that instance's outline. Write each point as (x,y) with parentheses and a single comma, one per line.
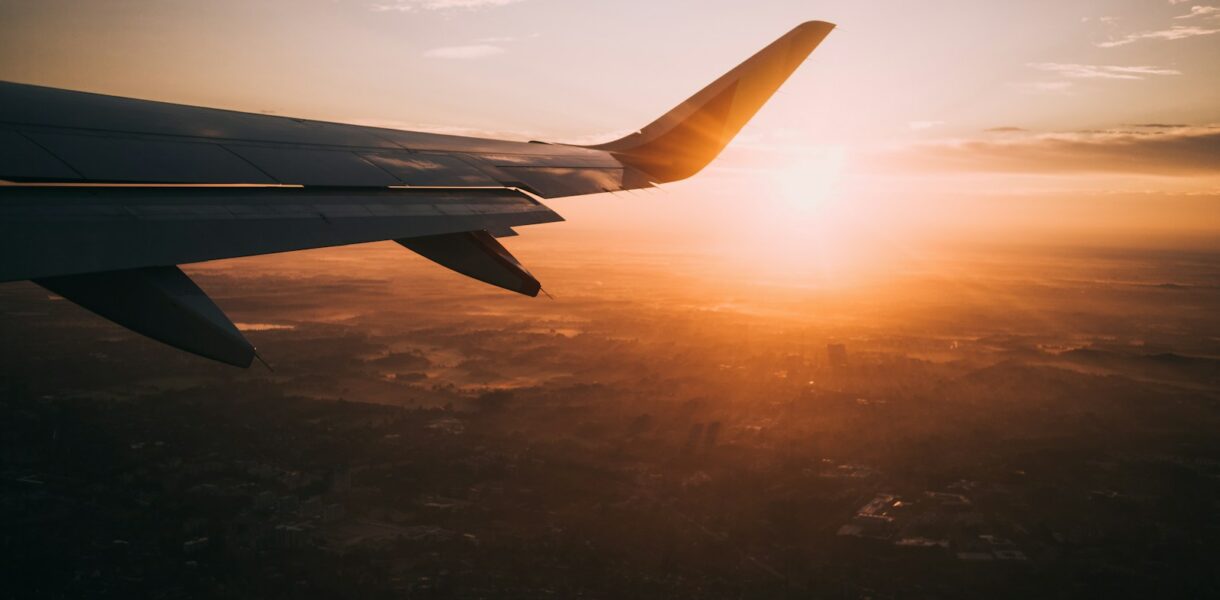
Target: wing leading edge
(106,195)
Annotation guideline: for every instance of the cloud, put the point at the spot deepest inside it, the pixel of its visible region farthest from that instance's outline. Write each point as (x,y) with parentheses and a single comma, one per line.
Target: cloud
(505,39)
(1201,11)
(1177,32)
(1157,125)
(481,48)
(924,125)
(1078,71)
(1005,129)
(1042,87)
(471,52)
(1102,71)
(415,5)
(1186,151)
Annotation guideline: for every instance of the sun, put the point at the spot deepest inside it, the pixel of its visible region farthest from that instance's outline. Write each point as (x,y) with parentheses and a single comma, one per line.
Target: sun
(800,227)
(808,184)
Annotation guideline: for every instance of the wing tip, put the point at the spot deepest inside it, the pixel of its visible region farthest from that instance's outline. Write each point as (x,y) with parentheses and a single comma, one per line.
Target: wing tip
(687,138)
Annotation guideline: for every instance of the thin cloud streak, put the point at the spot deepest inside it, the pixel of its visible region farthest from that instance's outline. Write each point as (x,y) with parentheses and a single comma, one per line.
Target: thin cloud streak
(471,52)
(1079,71)
(417,5)
(1201,11)
(1042,87)
(1177,32)
(1182,152)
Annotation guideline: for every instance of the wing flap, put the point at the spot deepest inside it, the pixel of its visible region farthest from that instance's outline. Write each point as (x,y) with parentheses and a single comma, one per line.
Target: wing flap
(426,169)
(22,158)
(47,232)
(123,159)
(313,166)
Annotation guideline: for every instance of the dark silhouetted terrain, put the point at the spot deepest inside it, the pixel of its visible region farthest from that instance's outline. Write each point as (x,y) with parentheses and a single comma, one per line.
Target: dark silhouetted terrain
(1018,423)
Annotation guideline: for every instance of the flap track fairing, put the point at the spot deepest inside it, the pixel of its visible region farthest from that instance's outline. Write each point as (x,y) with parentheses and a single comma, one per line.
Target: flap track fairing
(476,254)
(161,303)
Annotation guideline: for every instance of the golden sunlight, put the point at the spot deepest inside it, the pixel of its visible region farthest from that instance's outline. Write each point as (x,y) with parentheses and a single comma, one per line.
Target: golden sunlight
(812,222)
(809,183)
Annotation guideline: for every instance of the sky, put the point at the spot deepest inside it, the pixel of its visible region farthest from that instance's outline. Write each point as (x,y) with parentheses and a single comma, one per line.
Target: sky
(1078,119)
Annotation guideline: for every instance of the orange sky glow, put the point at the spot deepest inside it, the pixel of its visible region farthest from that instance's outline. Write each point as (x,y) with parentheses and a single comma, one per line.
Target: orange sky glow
(914,125)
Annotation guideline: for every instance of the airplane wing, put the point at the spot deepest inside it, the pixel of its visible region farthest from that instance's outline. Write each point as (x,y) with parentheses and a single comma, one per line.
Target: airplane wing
(102,197)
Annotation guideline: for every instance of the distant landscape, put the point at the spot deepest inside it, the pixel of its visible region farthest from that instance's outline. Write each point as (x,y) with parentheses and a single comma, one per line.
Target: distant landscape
(1013,422)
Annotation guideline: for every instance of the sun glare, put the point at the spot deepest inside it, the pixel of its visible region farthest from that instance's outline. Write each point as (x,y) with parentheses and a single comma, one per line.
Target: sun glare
(809,184)
(806,227)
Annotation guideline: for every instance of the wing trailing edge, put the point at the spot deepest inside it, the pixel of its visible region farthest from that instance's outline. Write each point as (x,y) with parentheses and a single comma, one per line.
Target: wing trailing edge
(54,231)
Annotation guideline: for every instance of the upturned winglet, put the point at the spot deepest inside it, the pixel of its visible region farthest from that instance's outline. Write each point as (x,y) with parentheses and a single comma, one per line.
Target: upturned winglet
(687,138)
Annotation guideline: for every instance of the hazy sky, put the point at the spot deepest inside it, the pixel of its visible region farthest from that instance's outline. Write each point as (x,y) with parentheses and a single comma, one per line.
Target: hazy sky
(580,68)
(911,115)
